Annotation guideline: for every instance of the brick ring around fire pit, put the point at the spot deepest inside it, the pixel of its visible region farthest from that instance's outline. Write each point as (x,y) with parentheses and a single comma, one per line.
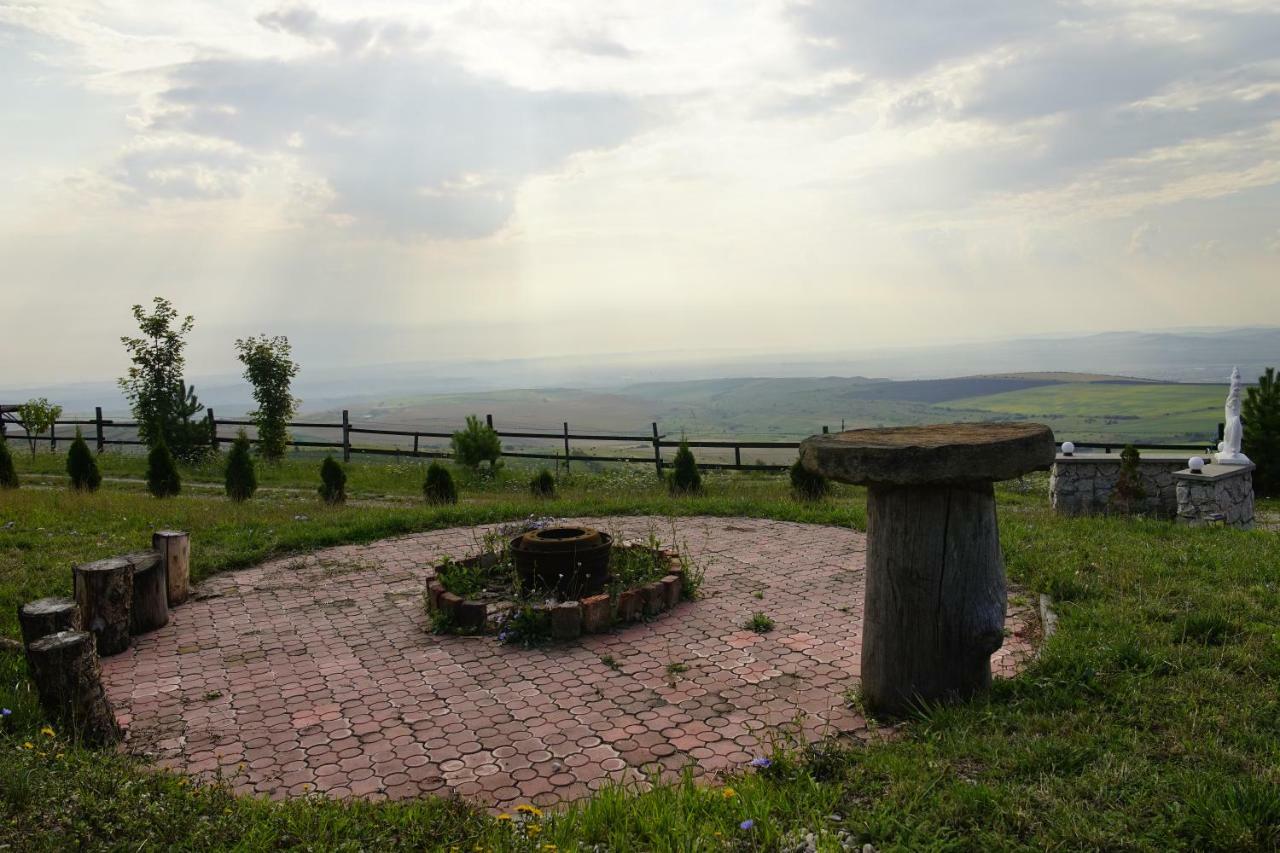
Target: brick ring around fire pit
(562,577)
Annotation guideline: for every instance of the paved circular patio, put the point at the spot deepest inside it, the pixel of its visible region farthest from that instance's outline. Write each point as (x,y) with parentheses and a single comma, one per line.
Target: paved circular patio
(320,674)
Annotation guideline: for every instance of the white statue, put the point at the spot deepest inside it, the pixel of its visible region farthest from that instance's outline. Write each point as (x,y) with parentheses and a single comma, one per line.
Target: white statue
(1229,450)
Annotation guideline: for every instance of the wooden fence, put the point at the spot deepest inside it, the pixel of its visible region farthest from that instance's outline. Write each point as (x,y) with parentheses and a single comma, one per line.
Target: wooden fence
(655,440)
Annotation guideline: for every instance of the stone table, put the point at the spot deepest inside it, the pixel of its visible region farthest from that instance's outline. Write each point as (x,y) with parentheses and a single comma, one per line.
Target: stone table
(935,596)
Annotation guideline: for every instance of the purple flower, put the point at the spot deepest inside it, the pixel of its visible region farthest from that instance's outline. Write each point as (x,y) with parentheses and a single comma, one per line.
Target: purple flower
(761,762)
(747,824)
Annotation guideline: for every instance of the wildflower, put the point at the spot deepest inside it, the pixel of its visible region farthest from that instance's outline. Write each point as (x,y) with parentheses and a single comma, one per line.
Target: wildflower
(5,712)
(504,816)
(28,745)
(551,848)
(532,811)
(728,793)
(761,763)
(47,731)
(532,829)
(747,824)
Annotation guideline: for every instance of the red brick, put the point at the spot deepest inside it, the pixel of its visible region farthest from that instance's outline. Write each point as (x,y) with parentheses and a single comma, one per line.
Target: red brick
(671,589)
(595,614)
(655,598)
(566,620)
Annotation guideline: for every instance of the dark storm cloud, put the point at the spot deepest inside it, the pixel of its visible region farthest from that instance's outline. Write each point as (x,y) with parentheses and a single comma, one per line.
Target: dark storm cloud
(408,142)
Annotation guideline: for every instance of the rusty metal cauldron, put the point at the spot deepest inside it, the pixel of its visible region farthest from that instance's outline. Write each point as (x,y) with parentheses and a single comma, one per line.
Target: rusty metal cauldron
(569,562)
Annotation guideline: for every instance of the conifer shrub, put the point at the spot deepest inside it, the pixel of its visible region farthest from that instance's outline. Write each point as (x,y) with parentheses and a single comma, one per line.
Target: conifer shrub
(439,487)
(1261,440)
(81,466)
(543,485)
(333,481)
(162,472)
(685,478)
(808,485)
(1128,492)
(477,442)
(8,475)
(241,478)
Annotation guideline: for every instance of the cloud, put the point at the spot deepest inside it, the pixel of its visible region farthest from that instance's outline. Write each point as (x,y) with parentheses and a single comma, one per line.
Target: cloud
(183,169)
(408,142)
(1142,239)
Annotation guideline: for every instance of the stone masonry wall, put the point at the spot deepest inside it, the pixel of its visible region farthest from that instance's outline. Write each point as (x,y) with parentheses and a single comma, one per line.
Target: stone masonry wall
(1082,485)
(1227,500)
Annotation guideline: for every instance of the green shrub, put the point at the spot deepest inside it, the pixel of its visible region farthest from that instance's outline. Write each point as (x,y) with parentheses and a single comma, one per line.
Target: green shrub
(1261,441)
(543,485)
(162,472)
(270,370)
(333,481)
(439,488)
(8,475)
(1128,491)
(760,623)
(241,478)
(685,479)
(476,443)
(81,466)
(808,485)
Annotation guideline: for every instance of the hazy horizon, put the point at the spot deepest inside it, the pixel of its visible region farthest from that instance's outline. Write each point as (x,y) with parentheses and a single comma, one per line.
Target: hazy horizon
(489,180)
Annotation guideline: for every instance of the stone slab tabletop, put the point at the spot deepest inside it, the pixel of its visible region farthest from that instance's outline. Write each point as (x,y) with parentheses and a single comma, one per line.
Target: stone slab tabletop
(1214,471)
(1093,457)
(935,454)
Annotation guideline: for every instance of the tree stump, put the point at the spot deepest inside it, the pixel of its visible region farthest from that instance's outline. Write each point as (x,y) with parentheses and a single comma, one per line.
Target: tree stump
(104,591)
(150,592)
(64,668)
(47,616)
(935,594)
(175,553)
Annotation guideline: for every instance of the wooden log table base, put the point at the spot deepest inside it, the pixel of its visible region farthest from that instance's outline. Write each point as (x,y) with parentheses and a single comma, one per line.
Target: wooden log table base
(150,606)
(935,598)
(104,591)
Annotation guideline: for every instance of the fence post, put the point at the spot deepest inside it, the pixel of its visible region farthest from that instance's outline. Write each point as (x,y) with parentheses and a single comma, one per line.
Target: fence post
(825,430)
(566,447)
(53,435)
(737,456)
(346,436)
(97,423)
(213,429)
(657,450)
(415,444)
(488,419)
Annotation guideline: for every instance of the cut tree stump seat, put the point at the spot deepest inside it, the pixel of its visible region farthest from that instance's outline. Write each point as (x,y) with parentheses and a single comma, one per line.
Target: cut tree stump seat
(935,595)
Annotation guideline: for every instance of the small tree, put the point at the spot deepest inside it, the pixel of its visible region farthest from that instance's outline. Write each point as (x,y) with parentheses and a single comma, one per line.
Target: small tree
(808,485)
(37,415)
(333,481)
(685,478)
(1128,490)
(81,466)
(154,383)
(439,487)
(162,472)
(270,370)
(1261,415)
(241,479)
(8,475)
(477,442)
(543,485)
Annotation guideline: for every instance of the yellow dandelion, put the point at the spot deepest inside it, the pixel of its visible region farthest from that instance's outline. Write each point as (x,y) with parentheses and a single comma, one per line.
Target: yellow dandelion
(532,829)
(551,848)
(728,793)
(504,816)
(28,745)
(47,731)
(532,811)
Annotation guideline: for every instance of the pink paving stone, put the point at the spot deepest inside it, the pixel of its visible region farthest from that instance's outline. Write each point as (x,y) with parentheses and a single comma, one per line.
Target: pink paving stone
(316,679)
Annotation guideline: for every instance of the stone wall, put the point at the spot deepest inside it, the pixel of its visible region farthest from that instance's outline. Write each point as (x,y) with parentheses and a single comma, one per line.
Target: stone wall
(1082,484)
(1222,494)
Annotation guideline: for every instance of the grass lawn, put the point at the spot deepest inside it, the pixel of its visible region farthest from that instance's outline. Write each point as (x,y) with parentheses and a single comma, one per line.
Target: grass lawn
(1150,721)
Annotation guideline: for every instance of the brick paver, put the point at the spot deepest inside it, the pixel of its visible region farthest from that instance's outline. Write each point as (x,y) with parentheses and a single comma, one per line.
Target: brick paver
(320,674)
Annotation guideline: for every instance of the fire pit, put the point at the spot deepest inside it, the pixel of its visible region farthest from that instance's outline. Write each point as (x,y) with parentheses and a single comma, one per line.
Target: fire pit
(566,562)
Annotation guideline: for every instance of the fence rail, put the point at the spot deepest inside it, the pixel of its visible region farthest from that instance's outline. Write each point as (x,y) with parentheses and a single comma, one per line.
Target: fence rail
(655,440)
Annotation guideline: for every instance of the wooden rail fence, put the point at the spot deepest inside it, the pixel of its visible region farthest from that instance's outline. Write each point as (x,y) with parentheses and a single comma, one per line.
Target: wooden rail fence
(656,440)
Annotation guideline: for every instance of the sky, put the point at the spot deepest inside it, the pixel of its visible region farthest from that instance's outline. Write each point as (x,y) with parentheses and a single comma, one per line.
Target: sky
(396,181)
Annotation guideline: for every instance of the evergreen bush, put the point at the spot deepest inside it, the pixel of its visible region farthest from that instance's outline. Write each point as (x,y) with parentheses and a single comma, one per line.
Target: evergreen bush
(162,472)
(333,481)
(543,485)
(241,478)
(1261,441)
(8,474)
(685,478)
(476,443)
(808,485)
(1128,491)
(81,466)
(439,488)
